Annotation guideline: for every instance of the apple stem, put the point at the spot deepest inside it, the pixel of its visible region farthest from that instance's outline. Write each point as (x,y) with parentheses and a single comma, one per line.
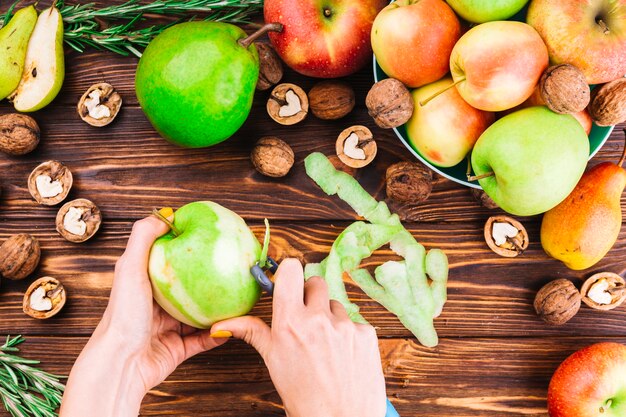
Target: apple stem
(159,216)
(425,102)
(604,27)
(471,178)
(268,27)
(623,158)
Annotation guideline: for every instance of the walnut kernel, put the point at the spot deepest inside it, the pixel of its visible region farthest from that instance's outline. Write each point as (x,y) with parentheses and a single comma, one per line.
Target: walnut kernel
(99,105)
(78,220)
(506,236)
(288,104)
(44,298)
(356,147)
(50,183)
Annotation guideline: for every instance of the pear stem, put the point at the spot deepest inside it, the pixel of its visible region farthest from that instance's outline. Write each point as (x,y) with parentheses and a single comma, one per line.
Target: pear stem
(159,216)
(269,27)
(425,102)
(623,158)
(471,178)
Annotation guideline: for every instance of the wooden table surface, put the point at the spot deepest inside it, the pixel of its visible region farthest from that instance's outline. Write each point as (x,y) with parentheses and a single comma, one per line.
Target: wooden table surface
(495,357)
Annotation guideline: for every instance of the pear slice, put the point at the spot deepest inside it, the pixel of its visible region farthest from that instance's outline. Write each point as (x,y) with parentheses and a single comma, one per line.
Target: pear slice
(13,44)
(44,69)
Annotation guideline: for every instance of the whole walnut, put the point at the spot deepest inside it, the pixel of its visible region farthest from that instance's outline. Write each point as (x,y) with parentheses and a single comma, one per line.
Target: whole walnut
(409,182)
(608,103)
(270,66)
(389,103)
(19,256)
(331,99)
(557,302)
(19,134)
(564,88)
(272,157)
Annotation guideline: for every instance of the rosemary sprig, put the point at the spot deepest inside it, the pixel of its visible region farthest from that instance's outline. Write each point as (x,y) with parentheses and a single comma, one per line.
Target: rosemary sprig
(89,27)
(25,390)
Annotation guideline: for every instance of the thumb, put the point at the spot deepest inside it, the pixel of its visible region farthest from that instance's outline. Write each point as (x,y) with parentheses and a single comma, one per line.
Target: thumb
(250,329)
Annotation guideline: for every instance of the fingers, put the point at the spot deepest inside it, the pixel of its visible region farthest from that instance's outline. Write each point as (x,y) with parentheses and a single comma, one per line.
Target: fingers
(289,288)
(338,310)
(200,341)
(144,233)
(250,329)
(316,294)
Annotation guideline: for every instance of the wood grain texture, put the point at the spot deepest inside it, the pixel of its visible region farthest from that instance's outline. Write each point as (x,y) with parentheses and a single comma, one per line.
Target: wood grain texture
(495,357)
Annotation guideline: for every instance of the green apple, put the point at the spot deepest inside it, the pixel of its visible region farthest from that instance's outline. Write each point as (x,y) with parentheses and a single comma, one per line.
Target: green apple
(44,68)
(536,158)
(200,270)
(445,128)
(14,42)
(195,82)
(480,11)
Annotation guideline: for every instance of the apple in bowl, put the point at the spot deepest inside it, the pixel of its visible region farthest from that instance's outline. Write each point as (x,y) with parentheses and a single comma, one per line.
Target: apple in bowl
(590,383)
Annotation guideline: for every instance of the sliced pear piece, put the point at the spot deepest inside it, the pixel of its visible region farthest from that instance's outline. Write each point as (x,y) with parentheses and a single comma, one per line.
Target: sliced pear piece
(44,69)
(13,44)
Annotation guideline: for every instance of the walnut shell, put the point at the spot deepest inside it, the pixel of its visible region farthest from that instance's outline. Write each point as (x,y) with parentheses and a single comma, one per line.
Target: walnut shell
(364,147)
(331,100)
(19,134)
(513,245)
(108,97)
(608,103)
(91,216)
(270,66)
(409,182)
(279,99)
(54,291)
(19,256)
(57,171)
(617,290)
(483,199)
(389,103)
(564,89)
(557,302)
(272,157)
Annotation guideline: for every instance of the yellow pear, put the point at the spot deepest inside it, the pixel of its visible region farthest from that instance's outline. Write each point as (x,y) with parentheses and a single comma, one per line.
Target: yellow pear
(584,227)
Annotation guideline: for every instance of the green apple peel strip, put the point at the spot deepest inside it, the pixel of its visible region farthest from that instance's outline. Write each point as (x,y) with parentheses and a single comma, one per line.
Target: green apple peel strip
(402,287)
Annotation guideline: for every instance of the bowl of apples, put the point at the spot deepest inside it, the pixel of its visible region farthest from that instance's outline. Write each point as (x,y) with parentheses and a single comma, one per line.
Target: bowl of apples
(463,81)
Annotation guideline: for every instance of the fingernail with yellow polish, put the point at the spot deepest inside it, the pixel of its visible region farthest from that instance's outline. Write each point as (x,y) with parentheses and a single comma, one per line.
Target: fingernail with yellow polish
(166,212)
(221,334)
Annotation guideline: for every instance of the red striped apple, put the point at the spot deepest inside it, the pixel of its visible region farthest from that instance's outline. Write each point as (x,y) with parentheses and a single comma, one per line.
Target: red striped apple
(445,129)
(590,34)
(412,40)
(323,38)
(590,383)
(497,65)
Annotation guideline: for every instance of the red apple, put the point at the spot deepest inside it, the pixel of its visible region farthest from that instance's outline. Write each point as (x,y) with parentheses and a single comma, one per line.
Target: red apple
(590,383)
(497,65)
(445,128)
(323,38)
(412,40)
(590,34)
(583,117)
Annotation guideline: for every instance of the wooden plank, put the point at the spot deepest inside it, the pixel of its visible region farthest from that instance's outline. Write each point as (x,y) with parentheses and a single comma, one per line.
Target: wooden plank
(127,169)
(488,295)
(460,377)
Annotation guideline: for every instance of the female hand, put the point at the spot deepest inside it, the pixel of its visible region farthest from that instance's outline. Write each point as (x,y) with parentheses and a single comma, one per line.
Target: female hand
(136,344)
(321,363)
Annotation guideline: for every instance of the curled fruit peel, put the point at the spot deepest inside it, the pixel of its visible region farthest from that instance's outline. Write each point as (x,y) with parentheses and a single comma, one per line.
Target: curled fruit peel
(401,287)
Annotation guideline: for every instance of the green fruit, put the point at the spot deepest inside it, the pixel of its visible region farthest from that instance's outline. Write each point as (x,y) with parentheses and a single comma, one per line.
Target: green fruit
(195,82)
(480,11)
(202,274)
(13,43)
(536,157)
(44,68)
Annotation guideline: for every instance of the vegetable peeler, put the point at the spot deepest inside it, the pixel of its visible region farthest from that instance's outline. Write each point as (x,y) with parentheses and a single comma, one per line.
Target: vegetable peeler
(258,272)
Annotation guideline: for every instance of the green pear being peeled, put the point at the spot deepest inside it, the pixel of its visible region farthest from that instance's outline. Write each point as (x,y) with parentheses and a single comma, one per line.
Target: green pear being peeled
(200,270)
(44,68)
(531,160)
(13,44)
